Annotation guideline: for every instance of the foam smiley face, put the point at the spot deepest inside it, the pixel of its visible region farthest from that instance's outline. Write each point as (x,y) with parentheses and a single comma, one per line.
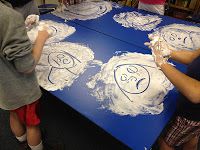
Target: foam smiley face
(132,78)
(178,38)
(62,60)
(88,9)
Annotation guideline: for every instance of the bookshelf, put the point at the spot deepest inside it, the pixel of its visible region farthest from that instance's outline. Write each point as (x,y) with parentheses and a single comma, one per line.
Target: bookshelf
(183,8)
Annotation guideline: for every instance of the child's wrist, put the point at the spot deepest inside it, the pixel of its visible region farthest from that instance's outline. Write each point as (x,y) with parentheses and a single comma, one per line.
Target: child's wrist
(42,37)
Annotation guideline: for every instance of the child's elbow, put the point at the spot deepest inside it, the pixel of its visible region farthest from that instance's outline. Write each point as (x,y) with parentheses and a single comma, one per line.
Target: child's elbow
(27,71)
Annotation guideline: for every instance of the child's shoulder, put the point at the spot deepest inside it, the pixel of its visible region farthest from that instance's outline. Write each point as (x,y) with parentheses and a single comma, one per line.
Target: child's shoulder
(10,18)
(8,13)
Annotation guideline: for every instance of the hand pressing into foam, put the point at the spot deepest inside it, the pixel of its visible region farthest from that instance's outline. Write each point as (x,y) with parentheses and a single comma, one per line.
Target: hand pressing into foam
(42,26)
(163,46)
(157,54)
(31,21)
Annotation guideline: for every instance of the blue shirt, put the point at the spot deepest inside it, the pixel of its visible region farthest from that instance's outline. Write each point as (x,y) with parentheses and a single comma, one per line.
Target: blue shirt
(185,108)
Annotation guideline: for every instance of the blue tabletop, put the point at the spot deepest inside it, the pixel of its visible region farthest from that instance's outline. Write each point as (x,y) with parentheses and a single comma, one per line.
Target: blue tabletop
(108,26)
(138,132)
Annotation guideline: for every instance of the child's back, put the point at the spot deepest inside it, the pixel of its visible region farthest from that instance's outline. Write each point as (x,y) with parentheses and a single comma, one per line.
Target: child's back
(17,88)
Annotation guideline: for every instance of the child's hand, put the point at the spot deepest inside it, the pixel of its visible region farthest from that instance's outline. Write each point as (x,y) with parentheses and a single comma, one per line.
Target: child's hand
(163,46)
(157,54)
(153,38)
(43,34)
(43,26)
(31,20)
(42,30)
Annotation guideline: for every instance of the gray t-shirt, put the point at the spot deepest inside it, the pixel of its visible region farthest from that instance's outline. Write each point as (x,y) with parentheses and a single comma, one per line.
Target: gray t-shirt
(28,9)
(17,88)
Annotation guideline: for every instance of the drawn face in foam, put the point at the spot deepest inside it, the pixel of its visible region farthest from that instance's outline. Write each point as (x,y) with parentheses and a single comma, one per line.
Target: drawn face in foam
(178,38)
(87,9)
(62,60)
(132,78)
(129,88)
(61,63)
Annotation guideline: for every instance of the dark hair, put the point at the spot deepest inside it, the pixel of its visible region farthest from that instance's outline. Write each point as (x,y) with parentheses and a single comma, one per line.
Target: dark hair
(18,3)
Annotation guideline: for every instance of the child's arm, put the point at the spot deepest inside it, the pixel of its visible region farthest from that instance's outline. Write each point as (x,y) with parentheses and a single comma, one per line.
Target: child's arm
(38,47)
(15,45)
(39,43)
(182,56)
(185,56)
(188,86)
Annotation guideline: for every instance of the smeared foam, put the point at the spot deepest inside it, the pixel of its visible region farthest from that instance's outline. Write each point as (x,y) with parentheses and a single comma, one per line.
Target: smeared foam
(130,84)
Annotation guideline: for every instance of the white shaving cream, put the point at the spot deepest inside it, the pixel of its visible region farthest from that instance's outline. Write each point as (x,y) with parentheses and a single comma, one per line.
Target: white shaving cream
(130,84)
(61,63)
(137,20)
(179,36)
(59,31)
(85,10)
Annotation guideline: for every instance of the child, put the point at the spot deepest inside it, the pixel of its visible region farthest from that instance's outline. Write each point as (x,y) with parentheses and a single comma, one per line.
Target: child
(25,7)
(184,129)
(156,6)
(19,90)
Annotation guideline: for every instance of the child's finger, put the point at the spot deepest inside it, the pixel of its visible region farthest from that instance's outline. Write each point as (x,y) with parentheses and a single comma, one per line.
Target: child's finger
(147,43)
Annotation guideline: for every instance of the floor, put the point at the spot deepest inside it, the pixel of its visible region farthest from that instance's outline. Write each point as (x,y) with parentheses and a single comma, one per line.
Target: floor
(61,124)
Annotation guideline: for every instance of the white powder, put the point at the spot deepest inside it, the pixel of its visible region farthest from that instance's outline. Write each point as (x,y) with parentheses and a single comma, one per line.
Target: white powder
(85,10)
(180,36)
(137,21)
(60,31)
(61,63)
(130,84)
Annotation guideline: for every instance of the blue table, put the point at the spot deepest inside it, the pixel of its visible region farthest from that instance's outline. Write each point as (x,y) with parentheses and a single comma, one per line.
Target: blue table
(108,26)
(135,132)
